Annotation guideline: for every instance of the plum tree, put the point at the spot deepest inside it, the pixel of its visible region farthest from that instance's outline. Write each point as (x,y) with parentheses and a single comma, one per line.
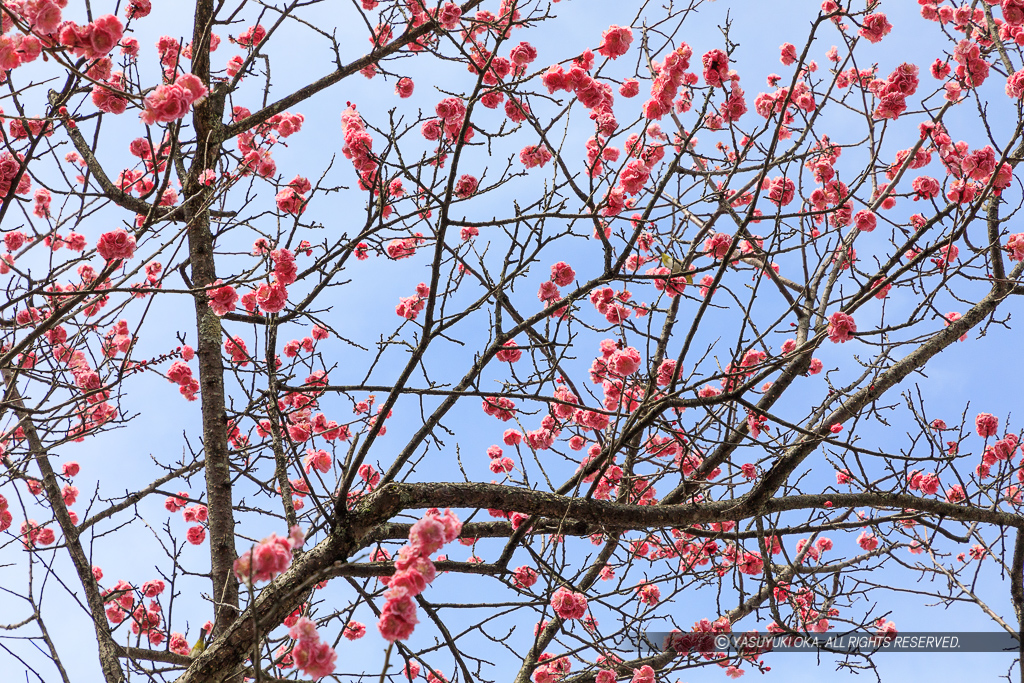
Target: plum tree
(652,356)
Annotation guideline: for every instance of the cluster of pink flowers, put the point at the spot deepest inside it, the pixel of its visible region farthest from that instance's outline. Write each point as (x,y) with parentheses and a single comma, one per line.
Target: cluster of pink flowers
(286,123)
(405,247)
(359,147)
(925,187)
(717,245)
(963,16)
(716,68)
(615,41)
(833,192)
(15,240)
(196,515)
(671,73)
(256,154)
(867,540)
(236,350)
(648,593)
(404,87)
(223,298)
(30,315)
(154,162)
(270,297)
(34,535)
(6,519)
(268,558)
(292,198)
(318,459)
(562,275)
(783,100)
(292,347)
(234,66)
(369,474)
(592,94)
(1015,85)
(987,424)
(813,551)
(502,408)
(551,669)
(751,564)
(414,571)
(624,362)
(979,164)
(599,98)
(310,654)
(780,190)
(569,604)
(170,102)
(410,306)
(451,117)
(894,91)
(466,187)
(1001,450)
(610,371)
(787,53)
(511,355)
(598,152)
(1015,247)
(169,50)
(1013,12)
(44,16)
(841,327)
(20,129)
(874,27)
(138,9)
(732,109)
(564,410)
(92,41)
(524,577)
(252,36)
(181,374)
(354,630)
(965,166)
(178,644)
(925,483)
(120,599)
(146,618)
(609,303)
(543,438)
(86,379)
(535,155)
(972,69)
(499,463)
(110,96)
(116,245)
(301,423)
(634,176)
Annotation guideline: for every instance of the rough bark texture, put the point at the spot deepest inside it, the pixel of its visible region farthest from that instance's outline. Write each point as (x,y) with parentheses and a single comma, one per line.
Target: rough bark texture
(207,120)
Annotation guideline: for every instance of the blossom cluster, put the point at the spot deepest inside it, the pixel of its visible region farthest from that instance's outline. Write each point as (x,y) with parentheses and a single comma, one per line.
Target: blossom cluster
(414,571)
(410,306)
(268,558)
(310,654)
(359,147)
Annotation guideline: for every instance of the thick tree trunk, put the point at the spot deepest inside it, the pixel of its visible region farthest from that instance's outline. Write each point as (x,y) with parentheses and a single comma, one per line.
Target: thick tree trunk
(207,121)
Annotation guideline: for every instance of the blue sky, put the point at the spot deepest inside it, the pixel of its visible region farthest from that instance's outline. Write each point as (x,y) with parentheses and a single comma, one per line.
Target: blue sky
(362,312)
